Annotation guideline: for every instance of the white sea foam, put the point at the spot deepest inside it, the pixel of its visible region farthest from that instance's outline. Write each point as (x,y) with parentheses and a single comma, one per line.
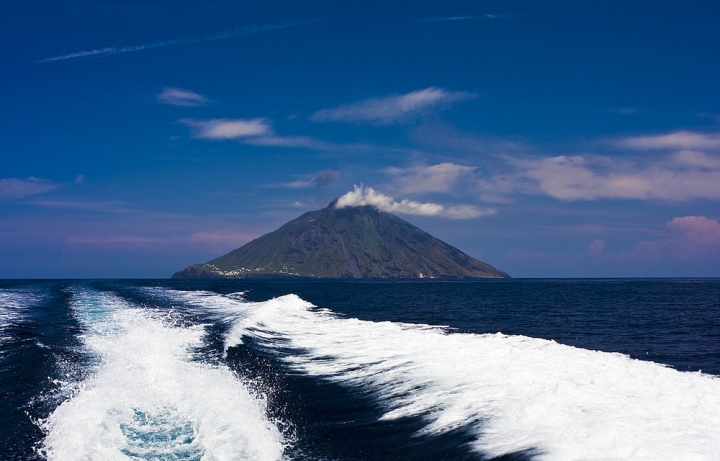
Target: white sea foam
(13,309)
(516,393)
(148,399)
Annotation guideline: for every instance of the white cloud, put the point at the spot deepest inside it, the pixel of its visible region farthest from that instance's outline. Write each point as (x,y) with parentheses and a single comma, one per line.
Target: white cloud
(684,176)
(297,184)
(13,188)
(255,131)
(691,238)
(304,182)
(180,97)
(466,212)
(689,171)
(320,179)
(676,140)
(690,158)
(696,229)
(391,109)
(364,196)
(436,178)
(596,246)
(569,178)
(222,128)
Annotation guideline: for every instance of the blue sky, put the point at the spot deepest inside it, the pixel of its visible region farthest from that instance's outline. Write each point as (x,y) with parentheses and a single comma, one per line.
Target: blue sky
(550,139)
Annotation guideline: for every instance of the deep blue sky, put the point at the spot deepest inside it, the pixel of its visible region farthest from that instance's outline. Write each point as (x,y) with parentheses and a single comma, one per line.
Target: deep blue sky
(563,139)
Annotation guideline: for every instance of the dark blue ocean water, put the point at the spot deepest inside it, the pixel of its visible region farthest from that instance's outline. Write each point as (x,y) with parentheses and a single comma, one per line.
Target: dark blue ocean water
(355,370)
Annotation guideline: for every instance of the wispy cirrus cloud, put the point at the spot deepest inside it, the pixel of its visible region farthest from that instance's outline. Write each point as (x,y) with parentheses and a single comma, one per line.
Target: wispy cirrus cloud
(109,51)
(85,205)
(392,109)
(467,18)
(364,196)
(14,188)
(181,97)
(435,178)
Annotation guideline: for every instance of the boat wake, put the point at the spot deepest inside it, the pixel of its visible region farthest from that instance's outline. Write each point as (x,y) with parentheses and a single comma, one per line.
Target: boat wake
(516,394)
(149,396)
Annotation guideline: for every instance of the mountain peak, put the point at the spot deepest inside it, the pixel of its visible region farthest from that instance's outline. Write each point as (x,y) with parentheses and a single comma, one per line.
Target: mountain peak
(332,204)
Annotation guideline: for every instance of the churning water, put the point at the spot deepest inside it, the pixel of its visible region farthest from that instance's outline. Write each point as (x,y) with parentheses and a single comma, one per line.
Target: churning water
(271,370)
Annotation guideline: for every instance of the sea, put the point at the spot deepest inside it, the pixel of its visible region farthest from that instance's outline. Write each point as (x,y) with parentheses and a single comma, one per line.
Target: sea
(319,370)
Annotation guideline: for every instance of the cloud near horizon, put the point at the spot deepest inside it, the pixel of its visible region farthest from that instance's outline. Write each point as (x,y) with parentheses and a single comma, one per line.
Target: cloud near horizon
(121,240)
(180,97)
(696,229)
(221,238)
(364,196)
(692,238)
(14,188)
(392,109)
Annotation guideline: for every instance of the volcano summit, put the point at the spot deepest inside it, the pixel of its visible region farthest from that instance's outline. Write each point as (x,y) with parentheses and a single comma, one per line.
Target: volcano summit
(349,242)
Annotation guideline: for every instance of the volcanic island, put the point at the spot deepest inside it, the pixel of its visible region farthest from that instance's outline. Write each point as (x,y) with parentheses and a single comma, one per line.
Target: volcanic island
(345,242)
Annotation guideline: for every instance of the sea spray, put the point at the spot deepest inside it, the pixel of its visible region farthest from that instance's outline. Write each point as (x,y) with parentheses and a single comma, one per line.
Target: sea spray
(148,398)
